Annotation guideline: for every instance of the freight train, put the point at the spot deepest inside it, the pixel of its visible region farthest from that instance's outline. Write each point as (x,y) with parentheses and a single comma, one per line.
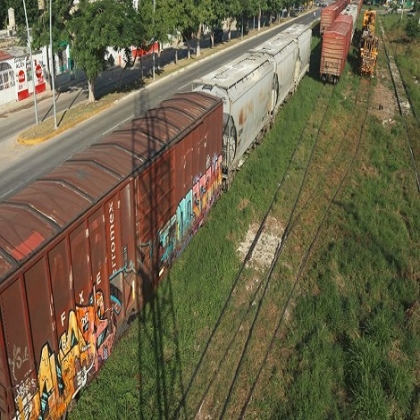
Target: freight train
(330,13)
(253,87)
(336,42)
(83,247)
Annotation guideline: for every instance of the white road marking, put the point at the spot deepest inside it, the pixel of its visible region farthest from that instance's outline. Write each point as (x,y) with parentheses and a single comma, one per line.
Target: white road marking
(118,125)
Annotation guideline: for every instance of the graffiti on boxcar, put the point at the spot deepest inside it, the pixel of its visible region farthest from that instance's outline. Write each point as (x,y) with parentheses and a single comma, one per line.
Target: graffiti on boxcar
(117,281)
(18,359)
(194,206)
(112,241)
(206,188)
(51,385)
(167,243)
(26,399)
(82,349)
(196,201)
(104,331)
(116,268)
(191,210)
(184,216)
(76,357)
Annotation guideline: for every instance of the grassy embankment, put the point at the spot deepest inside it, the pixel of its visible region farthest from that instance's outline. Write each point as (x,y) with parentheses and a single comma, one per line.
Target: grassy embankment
(350,343)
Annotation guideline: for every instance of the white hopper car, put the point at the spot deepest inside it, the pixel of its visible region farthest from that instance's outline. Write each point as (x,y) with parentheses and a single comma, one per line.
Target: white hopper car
(253,87)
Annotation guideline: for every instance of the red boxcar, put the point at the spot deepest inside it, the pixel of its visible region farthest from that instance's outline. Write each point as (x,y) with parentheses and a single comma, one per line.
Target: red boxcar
(335,48)
(79,246)
(330,13)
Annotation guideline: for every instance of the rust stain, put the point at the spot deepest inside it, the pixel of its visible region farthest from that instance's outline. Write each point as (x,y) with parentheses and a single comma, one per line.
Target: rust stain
(242,117)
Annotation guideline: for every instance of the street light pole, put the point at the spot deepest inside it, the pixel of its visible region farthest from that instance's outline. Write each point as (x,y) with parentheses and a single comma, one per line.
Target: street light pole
(52,73)
(32,62)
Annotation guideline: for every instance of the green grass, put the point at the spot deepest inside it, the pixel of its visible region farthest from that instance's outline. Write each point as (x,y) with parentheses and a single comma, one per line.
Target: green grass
(349,344)
(407,56)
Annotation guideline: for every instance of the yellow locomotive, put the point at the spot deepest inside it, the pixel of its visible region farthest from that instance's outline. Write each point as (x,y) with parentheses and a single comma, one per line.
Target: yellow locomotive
(368,44)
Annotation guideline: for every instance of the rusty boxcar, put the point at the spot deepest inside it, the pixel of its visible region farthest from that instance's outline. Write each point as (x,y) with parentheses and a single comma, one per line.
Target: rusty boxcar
(80,246)
(330,13)
(335,48)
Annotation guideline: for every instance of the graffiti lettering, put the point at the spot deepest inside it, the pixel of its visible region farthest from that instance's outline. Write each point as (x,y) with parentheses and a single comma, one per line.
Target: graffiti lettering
(81,297)
(25,389)
(63,318)
(27,408)
(98,278)
(84,321)
(113,245)
(18,359)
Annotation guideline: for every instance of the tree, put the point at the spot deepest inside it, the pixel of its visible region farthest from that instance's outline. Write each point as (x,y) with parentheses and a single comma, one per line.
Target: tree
(216,18)
(204,15)
(188,20)
(255,8)
(62,12)
(155,21)
(32,11)
(3,17)
(233,11)
(93,28)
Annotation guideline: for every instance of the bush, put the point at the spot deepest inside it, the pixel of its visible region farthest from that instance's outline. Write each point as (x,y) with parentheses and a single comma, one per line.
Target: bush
(412,29)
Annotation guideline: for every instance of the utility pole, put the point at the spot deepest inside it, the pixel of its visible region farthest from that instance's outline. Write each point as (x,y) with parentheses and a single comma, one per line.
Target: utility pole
(52,69)
(32,62)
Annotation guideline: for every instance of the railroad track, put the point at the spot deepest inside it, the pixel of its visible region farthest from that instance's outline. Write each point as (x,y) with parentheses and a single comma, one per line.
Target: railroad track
(236,354)
(400,92)
(403,101)
(319,198)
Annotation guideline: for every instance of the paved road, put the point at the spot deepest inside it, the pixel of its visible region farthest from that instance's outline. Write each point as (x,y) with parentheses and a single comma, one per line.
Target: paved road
(21,164)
